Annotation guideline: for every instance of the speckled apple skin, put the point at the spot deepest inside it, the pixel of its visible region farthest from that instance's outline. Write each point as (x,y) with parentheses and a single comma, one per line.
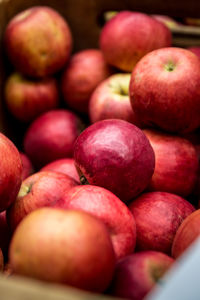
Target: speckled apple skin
(38,41)
(27,167)
(109,209)
(116,155)
(165,99)
(158,216)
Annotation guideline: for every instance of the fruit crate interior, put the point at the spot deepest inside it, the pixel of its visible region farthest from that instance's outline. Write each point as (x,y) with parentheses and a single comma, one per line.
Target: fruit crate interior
(85,19)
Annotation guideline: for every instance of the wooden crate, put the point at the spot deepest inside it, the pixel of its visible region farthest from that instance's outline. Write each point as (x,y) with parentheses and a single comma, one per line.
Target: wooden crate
(84,18)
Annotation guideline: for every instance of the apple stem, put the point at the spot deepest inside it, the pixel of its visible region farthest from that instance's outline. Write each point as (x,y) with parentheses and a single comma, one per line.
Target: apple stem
(83,180)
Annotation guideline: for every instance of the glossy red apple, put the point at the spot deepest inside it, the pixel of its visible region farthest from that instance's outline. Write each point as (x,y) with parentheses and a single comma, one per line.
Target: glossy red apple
(63,165)
(74,249)
(110,100)
(187,233)
(10,172)
(116,155)
(176,164)
(26,99)
(27,167)
(84,72)
(165,90)
(41,189)
(158,216)
(128,36)
(51,136)
(111,210)
(136,274)
(38,41)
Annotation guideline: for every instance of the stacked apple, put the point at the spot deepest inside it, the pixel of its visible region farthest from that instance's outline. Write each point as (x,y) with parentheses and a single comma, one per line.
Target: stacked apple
(104,209)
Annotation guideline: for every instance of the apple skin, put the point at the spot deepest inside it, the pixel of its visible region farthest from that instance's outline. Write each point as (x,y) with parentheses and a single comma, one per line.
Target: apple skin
(164,90)
(26,99)
(10,172)
(44,188)
(116,155)
(195,50)
(128,36)
(51,136)
(186,234)
(27,167)
(38,41)
(85,70)
(158,216)
(65,166)
(178,173)
(110,209)
(136,274)
(75,249)
(110,100)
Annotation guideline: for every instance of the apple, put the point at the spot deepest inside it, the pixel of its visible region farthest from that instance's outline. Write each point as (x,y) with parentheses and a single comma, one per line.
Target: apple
(116,155)
(26,99)
(158,216)
(110,100)
(168,21)
(51,136)
(164,90)
(128,36)
(10,172)
(86,69)
(1,261)
(195,50)
(186,234)
(63,165)
(110,209)
(38,41)
(74,249)
(27,167)
(44,188)
(136,274)
(5,233)
(176,163)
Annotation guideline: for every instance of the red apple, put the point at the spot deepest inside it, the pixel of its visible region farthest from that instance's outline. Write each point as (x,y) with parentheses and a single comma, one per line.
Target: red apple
(1,261)
(51,136)
(168,21)
(187,233)
(63,165)
(136,274)
(176,163)
(27,167)
(5,233)
(128,36)
(10,172)
(26,99)
(63,246)
(38,41)
(41,189)
(116,155)
(165,90)
(84,72)
(195,50)
(158,215)
(110,209)
(110,100)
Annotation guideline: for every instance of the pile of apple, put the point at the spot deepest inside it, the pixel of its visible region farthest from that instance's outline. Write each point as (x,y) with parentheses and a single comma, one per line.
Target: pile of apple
(103,208)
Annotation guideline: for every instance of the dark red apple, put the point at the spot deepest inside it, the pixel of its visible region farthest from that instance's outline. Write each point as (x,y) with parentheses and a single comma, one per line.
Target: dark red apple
(158,216)
(176,164)
(26,99)
(116,155)
(110,100)
(136,274)
(195,50)
(51,136)
(10,172)
(111,210)
(63,165)
(27,167)
(73,248)
(128,36)
(38,41)
(84,72)
(165,90)
(41,189)
(187,233)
